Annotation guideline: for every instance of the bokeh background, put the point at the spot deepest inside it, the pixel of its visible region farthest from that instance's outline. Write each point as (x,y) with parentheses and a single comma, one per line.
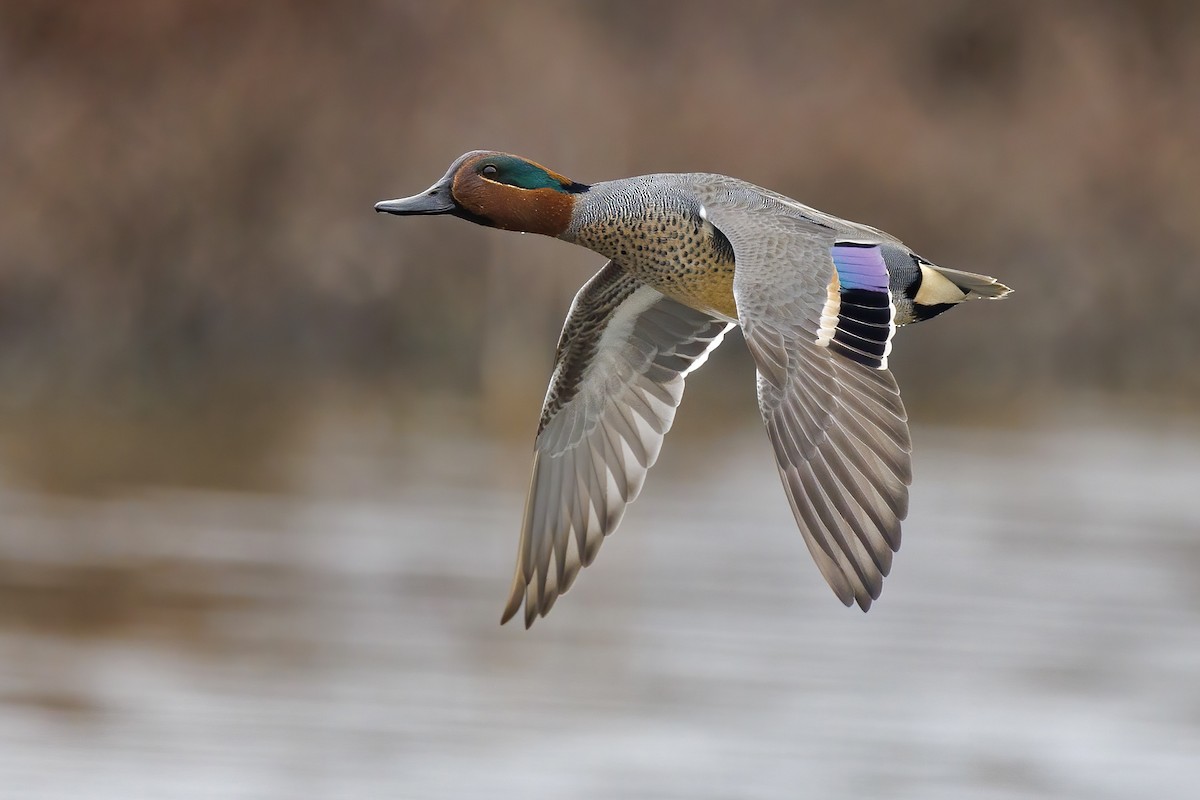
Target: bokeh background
(262,451)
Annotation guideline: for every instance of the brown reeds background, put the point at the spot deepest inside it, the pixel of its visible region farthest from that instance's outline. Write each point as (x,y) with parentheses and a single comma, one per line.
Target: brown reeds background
(263,452)
(186,191)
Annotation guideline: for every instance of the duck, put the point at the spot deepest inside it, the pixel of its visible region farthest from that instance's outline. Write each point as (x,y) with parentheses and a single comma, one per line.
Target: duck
(690,255)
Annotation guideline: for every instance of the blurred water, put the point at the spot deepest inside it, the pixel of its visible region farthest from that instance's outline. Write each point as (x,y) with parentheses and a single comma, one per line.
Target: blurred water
(1039,637)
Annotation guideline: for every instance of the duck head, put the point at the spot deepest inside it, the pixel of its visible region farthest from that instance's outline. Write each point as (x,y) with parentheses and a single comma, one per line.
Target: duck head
(498,190)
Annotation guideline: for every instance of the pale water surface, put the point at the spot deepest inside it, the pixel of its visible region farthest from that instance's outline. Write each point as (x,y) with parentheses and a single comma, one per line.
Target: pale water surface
(1039,636)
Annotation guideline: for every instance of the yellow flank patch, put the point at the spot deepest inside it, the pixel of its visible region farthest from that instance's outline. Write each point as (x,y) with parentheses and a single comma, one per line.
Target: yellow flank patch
(937,289)
(713,291)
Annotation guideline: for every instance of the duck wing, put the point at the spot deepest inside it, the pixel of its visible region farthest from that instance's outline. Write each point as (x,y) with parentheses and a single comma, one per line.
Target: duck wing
(618,377)
(818,319)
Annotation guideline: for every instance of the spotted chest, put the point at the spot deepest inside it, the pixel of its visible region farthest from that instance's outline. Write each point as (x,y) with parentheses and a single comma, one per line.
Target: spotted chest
(672,248)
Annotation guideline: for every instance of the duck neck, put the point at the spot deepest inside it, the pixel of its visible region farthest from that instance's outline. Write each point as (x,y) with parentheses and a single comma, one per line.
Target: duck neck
(611,217)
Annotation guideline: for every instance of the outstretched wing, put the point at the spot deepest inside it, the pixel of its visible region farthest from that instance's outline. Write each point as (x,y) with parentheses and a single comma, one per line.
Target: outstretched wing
(618,378)
(818,320)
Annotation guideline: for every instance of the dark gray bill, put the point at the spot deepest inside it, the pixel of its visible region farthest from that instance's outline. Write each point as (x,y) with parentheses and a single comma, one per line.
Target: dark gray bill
(435,200)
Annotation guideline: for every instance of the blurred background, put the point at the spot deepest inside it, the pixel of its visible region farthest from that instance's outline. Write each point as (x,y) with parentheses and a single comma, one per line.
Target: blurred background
(263,451)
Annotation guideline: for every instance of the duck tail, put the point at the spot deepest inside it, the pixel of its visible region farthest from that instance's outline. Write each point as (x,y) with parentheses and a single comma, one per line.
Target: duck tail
(973,285)
(929,290)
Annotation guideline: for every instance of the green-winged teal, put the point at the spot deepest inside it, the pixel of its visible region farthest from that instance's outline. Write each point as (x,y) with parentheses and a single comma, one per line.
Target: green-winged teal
(691,255)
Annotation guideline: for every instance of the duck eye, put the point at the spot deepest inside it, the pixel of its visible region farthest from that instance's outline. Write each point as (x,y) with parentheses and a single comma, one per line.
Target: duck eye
(489,171)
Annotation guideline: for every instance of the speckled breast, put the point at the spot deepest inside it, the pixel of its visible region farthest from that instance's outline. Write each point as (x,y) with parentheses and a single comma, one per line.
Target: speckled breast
(665,243)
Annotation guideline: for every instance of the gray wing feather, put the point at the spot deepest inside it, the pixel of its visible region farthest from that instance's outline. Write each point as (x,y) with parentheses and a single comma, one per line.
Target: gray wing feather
(618,378)
(838,428)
